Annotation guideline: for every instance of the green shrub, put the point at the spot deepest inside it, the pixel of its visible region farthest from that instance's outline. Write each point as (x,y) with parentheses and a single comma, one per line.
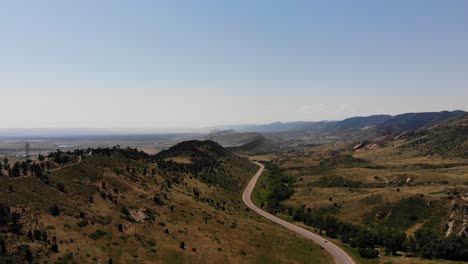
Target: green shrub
(368,253)
(82,223)
(97,234)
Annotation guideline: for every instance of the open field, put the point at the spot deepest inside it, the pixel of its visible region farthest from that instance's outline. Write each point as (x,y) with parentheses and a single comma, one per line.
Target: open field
(151,144)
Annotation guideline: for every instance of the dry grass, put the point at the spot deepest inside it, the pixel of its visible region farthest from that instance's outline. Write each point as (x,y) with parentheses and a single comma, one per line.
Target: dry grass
(183,160)
(212,233)
(388,177)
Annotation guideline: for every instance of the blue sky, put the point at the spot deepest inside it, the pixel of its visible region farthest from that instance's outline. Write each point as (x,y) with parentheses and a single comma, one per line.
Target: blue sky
(201,63)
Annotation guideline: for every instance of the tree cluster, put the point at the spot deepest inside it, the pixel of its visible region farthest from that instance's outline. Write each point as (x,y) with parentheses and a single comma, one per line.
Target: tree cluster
(279,186)
(425,243)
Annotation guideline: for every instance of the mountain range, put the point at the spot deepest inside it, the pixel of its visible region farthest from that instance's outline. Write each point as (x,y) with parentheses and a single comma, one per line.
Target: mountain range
(383,124)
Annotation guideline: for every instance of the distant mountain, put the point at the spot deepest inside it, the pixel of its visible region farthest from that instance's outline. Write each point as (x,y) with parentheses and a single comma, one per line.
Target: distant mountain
(243,142)
(380,124)
(231,138)
(289,126)
(258,145)
(361,122)
(414,121)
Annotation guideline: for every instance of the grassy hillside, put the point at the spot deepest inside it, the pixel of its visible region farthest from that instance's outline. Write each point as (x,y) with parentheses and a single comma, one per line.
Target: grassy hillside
(124,206)
(257,146)
(232,138)
(374,192)
(449,139)
(414,121)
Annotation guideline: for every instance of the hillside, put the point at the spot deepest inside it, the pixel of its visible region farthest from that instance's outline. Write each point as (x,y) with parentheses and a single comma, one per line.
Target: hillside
(389,127)
(360,122)
(208,162)
(124,206)
(232,138)
(288,126)
(449,139)
(414,121)
(374,125)
(257,146)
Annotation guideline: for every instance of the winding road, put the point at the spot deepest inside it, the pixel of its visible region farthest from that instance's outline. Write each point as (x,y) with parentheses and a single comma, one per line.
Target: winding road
(339,255)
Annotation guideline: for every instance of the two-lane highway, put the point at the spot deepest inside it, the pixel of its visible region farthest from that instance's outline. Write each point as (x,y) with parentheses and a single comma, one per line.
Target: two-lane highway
(339,255)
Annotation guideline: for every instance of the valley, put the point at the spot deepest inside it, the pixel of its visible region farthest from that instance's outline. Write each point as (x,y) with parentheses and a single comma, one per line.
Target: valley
(339,256)
(391,185)
(234,132)
(354,197)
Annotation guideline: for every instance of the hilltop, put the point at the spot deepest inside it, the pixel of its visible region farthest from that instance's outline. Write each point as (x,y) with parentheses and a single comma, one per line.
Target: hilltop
(208,161)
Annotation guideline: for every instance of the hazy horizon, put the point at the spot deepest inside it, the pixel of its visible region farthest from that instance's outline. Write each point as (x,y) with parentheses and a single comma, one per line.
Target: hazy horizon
(119,64)
(95,131)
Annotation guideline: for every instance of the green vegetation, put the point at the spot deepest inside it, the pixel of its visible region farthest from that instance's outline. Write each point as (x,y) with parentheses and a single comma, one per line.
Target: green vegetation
(274,187)
(401,215)
(425,243)
(207,163)
(98,234)
(429,245)
(337,181)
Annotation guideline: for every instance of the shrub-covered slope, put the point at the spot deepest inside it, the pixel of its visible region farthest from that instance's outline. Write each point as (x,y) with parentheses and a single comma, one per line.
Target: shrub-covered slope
(124,206)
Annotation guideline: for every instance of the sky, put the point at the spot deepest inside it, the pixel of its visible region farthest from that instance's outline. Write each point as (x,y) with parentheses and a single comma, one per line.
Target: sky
(129,64)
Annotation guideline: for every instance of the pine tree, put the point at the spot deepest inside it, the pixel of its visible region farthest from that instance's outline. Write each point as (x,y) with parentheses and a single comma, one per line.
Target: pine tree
(55,211)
